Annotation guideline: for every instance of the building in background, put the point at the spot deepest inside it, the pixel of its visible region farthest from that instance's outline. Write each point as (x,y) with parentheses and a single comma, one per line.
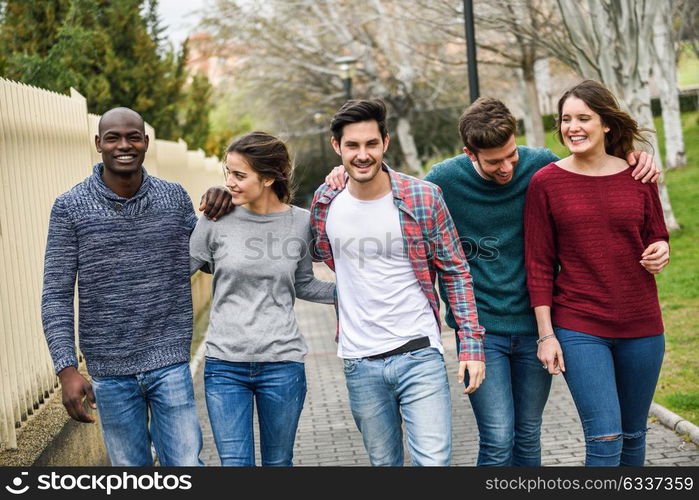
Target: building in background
(205,58)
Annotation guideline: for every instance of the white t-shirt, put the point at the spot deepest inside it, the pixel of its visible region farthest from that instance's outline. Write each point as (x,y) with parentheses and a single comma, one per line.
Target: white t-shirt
(381,303)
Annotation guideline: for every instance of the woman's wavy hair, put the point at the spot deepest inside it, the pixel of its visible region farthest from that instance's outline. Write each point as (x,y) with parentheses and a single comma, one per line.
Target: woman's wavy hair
(623,130)
(269,157)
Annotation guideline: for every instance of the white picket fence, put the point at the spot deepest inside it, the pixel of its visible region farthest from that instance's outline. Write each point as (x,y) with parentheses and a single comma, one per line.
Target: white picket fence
(46,147)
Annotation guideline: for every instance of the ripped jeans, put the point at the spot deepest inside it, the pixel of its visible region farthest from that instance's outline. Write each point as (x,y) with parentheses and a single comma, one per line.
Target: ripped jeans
(612,382)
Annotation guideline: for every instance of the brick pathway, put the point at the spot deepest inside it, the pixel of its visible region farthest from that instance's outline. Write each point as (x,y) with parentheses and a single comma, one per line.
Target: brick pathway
(328,436)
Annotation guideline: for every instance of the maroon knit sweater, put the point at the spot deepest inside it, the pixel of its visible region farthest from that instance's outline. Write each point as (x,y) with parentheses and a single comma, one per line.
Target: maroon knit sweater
(595,229)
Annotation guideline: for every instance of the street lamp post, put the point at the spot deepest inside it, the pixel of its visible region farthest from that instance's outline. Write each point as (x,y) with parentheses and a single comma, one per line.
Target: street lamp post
(344,66)
(471,50)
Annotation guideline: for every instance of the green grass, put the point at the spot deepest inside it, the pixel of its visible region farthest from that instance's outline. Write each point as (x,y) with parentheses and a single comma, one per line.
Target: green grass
(687,68)
(678,284)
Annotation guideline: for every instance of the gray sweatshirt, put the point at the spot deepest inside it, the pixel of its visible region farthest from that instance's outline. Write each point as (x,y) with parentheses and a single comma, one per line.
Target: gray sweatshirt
(260,265)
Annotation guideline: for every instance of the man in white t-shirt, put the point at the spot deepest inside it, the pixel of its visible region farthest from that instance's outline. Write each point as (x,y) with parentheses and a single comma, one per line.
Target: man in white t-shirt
(387,236)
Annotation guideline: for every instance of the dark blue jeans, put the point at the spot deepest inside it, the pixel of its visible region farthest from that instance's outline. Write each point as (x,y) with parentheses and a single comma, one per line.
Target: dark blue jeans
(612,382)
(510,402)
(279,389)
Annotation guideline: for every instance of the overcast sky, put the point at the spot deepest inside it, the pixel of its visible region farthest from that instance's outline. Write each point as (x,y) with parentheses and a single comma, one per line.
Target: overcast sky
(179,17)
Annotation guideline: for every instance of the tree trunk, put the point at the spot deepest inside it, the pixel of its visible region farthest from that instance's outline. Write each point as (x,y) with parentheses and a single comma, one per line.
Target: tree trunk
(533,123)
(638,101)
(542,73)
(666,76)
(613,40)
(407,145)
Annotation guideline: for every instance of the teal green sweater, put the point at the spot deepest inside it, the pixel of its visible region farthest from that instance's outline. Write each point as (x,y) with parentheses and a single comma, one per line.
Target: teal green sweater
(489,218)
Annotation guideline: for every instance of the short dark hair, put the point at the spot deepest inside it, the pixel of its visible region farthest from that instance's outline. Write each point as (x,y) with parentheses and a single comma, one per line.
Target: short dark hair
(623,129)
(269,157)
(356,111)
(486,124)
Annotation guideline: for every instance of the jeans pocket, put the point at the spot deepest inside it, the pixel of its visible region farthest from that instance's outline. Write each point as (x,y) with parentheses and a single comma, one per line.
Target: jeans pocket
(350,365)
(212,367)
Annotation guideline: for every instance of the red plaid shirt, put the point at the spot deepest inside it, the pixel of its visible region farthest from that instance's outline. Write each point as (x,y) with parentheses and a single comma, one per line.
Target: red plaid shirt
(432,245)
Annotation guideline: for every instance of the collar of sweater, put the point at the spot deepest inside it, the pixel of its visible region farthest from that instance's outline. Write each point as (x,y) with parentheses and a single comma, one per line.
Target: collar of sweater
(103,191)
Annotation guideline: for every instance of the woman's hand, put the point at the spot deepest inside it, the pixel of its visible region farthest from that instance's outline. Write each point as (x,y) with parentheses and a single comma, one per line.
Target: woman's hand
(656,257)
(551,356)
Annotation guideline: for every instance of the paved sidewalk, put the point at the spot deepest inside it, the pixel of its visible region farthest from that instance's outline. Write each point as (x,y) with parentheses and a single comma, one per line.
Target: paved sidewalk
(327,435)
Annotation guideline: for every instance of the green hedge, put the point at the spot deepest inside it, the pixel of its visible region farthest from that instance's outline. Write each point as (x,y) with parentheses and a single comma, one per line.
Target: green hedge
(688,102)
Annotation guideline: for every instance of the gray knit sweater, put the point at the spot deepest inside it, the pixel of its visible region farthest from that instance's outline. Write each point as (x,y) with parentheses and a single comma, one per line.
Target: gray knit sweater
(131,257)
(261,264)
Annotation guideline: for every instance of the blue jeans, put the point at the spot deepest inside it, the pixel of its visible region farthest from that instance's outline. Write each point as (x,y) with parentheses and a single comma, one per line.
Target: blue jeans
(124,404)
(411,387)
(279,390)
(510,402)
(612,382)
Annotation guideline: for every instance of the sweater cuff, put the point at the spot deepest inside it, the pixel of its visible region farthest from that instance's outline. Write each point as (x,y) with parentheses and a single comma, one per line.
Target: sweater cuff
(537,299)
(64,362)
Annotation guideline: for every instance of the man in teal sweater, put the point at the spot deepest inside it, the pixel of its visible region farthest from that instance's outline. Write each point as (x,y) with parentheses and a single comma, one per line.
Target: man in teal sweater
(484,190)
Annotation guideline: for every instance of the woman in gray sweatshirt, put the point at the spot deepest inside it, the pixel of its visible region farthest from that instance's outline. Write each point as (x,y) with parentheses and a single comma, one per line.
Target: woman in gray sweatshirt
(259,255)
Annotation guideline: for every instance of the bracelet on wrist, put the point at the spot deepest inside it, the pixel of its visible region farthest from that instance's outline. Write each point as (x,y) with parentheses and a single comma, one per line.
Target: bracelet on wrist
(545,337)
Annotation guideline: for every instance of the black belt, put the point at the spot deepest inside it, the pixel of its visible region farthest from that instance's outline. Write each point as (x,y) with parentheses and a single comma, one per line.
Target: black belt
(413,345)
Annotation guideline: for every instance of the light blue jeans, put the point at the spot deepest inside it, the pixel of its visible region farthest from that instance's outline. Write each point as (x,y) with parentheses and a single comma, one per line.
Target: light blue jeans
(612,382)
(279,389)
(410,387)
(124,404)
(510,402)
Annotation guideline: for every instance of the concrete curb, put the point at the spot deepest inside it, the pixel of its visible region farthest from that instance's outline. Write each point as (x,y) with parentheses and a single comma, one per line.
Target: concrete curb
(675,422)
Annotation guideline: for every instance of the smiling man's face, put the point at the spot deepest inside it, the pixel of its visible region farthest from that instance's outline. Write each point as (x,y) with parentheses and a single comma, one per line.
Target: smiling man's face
(496,164)
(361,148)
(123,142)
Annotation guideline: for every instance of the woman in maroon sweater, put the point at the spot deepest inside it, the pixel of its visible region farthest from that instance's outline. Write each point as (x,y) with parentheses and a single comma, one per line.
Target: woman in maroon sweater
(594,238)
